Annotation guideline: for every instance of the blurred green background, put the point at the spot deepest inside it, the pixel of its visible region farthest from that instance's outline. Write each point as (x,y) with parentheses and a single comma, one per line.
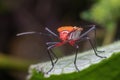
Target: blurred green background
(17,53)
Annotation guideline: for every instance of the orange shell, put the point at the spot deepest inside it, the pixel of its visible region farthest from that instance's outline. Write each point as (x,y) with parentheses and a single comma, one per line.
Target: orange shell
(67,28)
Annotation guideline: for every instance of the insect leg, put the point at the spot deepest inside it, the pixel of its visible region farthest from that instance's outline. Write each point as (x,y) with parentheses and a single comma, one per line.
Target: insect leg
(53,54)
(85,33)
(94,48)
(95,42)
(76,52)
(49,54)
(93,28)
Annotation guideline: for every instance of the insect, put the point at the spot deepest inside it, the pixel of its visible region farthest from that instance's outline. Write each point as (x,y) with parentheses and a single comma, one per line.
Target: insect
(68,34)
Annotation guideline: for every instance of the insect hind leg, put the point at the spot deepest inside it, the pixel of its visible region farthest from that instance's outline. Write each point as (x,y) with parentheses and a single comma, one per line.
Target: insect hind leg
(92,28)
(92,45)
(94,48)
(95,42)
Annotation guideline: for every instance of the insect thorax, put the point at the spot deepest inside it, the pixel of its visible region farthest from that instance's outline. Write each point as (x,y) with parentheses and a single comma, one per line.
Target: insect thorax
(69,33)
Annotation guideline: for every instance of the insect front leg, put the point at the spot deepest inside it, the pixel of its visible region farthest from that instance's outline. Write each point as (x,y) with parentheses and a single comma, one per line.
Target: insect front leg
(51,51)
(54,56)
(51,55)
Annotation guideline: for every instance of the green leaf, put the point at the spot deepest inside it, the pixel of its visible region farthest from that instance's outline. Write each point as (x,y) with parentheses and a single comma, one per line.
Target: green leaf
(99,69)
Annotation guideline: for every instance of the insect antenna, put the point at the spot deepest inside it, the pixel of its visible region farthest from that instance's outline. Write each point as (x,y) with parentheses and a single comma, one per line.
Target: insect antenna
(27,33)
(51,32)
